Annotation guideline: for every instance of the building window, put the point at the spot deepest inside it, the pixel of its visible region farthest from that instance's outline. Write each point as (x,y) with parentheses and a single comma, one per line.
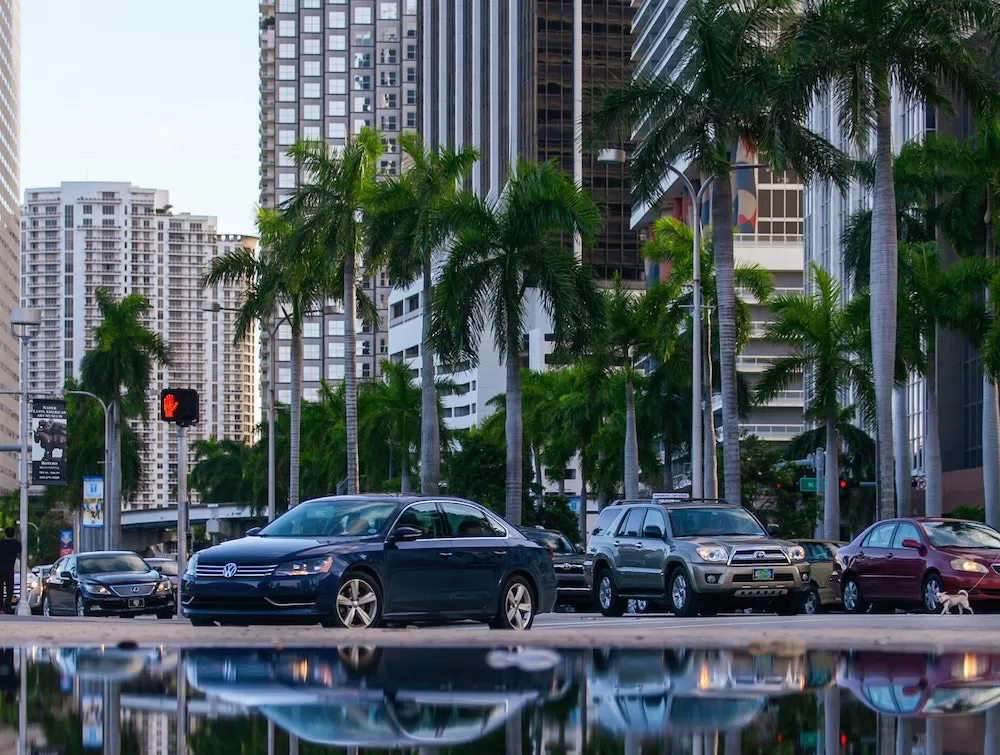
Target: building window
(360,124)
(284,375)
(411,52)
(286,94)
(390,101)
(311,113)
(411,120)
(362,83)
(362,60)
(312,91)
(286,28)
(337,42)
(286,73)
(286,6)
(389,79)
(336,108)
(335,328)
(388,56)
(363,39)
(284,353)
(337,19)
(335,350)
(286,51)
(286,138)
(387,167)
(336,86)
(311,68)
(362,15)
(335,372)
(311,47)
(286,115)
(284,397)
(336,131)
(337,64)
(389,123)
(411,96)
(388,11)
(362,104)
(310,373)
(286,180)
(88,209)
(311,25)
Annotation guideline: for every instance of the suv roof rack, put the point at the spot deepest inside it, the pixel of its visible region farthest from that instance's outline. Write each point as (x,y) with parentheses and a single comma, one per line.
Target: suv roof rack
(670,501)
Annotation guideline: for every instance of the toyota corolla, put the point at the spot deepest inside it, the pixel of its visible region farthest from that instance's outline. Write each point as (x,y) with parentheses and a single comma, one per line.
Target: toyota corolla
(363,561)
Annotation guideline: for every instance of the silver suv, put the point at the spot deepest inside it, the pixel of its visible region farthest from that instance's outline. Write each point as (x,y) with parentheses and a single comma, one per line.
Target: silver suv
(700,556)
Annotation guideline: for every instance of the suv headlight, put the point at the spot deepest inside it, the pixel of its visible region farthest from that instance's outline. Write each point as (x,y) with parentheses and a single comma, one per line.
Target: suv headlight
(713,555)
(964,564)
(305,567)
(797,553)
(192,566)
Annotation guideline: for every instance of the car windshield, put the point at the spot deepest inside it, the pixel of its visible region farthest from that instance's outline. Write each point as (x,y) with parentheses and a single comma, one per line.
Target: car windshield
(554,542)
(714,521)
(958,534)
(333,518)
(165,567)
(119,563)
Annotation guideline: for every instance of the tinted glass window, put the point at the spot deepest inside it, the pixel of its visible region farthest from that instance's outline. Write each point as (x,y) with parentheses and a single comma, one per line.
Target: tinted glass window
(654,518)
(166,567)
(905,531)
(605,521)
(468,521)
(424,517)
(880,537)
(632,525)
(551,540)
(817,552)
(957,534)
(329,518)
(124,563)
(718,521)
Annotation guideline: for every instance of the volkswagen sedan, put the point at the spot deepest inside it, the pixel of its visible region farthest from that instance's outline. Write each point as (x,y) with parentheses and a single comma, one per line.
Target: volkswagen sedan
(361,561)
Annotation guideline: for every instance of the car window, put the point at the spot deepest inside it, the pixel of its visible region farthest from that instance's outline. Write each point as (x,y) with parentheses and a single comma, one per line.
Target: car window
(880,537)
(959,534)
(333,518)
(654,518)
(816,553)
(169,568)
(57,567)
(716,520)
(468,521)
(553,541)
(905,531)
(605,521)
(632,525)
(425,517)
(832,549)
(118,563)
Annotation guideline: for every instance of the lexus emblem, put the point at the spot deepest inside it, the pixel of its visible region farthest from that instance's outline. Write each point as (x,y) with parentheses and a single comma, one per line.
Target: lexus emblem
(760,554)
(229,571)
(135,589)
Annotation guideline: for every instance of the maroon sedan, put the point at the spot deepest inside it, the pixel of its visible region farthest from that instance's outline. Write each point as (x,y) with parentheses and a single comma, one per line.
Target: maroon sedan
(906,562)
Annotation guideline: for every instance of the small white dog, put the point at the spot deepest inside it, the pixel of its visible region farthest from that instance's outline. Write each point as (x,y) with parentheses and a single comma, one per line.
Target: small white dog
(959,600)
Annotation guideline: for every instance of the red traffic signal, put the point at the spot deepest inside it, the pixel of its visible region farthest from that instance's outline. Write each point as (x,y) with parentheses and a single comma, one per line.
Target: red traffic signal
(179,406)
(843,484)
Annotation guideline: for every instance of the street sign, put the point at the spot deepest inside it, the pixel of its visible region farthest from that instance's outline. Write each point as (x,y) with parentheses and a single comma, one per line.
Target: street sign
(179,406)
(671,496)
(808,485)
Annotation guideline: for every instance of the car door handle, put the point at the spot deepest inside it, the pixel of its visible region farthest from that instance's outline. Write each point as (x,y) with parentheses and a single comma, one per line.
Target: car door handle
(500,553)
(638,546)
(446,555)
(888,555)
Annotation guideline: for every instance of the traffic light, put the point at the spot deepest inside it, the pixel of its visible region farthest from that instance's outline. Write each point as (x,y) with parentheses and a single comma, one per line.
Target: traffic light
(179,406)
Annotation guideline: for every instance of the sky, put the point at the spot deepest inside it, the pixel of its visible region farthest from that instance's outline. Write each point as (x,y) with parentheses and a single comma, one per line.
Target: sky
(161,94)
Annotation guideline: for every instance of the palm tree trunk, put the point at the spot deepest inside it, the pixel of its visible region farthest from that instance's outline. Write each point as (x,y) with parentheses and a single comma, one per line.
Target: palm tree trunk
(631,444)
(116,476)
(710,456)
(932,443)
(583,498)
(901,449)
(514,428)
(351,370)
(831,489)
(430,431)
(884,272)
(295,417)
(722,223)
(406,486)
(991,411)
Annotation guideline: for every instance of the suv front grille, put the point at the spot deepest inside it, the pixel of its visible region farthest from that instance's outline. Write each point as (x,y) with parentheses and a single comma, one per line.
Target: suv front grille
(765,556)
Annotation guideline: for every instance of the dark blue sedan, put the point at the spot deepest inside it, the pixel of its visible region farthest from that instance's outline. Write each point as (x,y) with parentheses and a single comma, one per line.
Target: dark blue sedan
(361,561)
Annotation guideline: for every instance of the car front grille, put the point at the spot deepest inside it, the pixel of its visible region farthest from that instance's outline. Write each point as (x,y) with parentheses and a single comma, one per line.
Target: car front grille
(243,571)
(767,556)
(221,603)
(996,568)
(133,591)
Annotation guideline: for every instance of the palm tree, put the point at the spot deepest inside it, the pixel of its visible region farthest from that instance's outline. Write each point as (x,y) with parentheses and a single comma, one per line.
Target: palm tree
(330,206)
(291,276)
(403,232)
(861,50)
(394,412)
(501,250)
(223,471)
(822,337)
(119,369)
(728,89)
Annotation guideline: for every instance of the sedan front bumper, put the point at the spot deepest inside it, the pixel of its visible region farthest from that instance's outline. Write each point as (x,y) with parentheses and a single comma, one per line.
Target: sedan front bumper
(305,600)
(101,605)
(979,586)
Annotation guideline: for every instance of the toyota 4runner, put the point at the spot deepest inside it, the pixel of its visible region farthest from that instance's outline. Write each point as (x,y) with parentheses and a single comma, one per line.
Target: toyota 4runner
(699,556)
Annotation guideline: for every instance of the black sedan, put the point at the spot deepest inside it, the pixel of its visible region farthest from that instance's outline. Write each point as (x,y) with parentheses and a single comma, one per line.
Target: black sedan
(568,562)
(107,583)
(359,561)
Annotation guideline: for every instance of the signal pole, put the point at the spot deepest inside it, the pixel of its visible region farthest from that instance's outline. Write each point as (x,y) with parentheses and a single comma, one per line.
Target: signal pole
(179,406)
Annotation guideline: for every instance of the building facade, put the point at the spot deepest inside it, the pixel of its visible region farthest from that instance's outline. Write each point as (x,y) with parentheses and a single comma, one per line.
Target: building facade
(329,68)
(83,236)
(10,229)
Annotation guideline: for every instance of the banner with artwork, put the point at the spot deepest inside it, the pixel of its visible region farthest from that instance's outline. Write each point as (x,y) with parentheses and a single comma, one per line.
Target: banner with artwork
(65,543)
(93,502)
(48,442)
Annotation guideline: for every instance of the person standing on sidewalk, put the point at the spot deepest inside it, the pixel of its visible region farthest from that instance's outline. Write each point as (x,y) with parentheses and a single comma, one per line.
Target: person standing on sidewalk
(10,552)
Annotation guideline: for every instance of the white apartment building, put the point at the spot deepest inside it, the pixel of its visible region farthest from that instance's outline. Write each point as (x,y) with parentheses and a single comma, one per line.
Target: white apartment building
(83,236)
(10,229)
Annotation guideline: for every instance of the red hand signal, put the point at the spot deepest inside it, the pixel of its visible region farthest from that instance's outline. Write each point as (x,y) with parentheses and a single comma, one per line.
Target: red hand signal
(170,404)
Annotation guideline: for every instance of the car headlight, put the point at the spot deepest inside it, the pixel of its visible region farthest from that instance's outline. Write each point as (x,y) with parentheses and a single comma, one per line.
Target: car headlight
(192,566)
(797,553)
(964,564)
(162,587)
(305,567)
(96,589)
(713,555)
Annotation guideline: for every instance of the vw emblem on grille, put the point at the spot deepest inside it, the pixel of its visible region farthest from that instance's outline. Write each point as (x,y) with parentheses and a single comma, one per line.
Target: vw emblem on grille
(229,571)
(229,671)
(760,554)
(135,589)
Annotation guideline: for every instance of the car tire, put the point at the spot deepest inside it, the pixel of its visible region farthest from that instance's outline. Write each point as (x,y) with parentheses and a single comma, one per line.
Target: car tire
(201,621)
(853,599)
(609,602)
(358,602)
(517,606)
(684,601)
(708,609)
(811,603)
(46,606)
(165,615)
(81,606)
(933,584)
(791,605)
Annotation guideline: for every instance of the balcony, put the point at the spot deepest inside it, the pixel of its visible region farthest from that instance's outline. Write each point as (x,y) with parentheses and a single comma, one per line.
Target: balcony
(754,364)
(774,433)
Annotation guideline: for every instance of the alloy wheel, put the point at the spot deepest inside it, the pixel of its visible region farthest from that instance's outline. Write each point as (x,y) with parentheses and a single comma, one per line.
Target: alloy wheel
(357,604)
(46,606)
(604,593)
(811,604)
(931,588)
(517,606)
(851,595)
(81,607)
(679,592)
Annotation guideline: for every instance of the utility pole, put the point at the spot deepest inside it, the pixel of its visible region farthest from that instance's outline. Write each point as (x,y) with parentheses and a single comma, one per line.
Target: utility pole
(819,462)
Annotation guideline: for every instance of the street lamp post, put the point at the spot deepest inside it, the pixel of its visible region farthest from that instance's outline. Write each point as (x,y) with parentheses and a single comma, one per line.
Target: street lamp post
(25,319)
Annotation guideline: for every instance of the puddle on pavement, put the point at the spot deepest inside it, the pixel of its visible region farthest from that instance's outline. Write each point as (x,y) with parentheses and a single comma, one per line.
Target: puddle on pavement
(464,700)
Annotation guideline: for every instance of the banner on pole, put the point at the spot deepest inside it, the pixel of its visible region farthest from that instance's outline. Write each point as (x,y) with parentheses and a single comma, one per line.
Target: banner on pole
(93,502)
(65,543)
(92,709)
(48,442)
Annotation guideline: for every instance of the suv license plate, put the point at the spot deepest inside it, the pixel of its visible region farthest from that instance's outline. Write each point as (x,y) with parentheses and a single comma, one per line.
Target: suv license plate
(763,575)
(141,603)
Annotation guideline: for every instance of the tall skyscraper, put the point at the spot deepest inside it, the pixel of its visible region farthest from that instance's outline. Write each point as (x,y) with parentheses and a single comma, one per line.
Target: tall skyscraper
(10,233)
(84,236)
(327,70)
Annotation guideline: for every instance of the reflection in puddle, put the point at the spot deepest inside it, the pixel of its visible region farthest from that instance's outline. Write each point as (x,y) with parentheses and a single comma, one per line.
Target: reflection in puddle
(464,700)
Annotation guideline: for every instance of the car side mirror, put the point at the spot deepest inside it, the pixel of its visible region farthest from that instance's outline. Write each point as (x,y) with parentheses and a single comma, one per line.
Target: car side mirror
(772,529)
(915,545)
(653,532)
(253,532)
(405,535)
(579,549)
(65,575)
(158,569)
